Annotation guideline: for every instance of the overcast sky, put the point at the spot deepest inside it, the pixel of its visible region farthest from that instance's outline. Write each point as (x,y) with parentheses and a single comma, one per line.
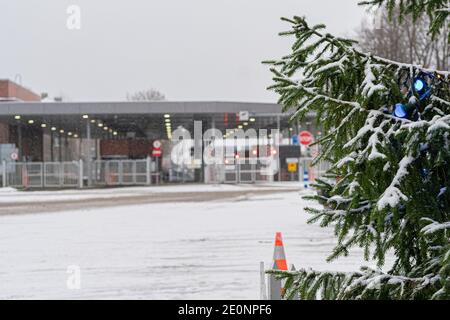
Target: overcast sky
(188,49)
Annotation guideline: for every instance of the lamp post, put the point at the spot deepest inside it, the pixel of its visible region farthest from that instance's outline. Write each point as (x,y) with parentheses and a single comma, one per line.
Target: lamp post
(89,157)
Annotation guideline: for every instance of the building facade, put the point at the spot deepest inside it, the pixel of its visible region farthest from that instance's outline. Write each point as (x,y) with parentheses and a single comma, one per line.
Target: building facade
(101,131)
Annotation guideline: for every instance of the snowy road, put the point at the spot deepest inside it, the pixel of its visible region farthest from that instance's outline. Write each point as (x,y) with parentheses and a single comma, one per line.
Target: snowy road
(13,202)
(195,250)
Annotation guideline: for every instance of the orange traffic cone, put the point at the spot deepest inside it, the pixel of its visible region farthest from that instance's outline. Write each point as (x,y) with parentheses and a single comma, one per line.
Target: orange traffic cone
(276,289)
(279,256)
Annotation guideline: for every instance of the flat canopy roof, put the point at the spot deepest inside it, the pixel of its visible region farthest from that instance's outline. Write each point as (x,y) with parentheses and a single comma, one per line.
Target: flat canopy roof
(117,108)
(145,119)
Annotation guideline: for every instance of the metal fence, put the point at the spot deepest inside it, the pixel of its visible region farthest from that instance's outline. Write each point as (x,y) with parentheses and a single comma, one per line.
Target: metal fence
(78,174)
(41,174)
(313,172)
(242,173)
(256,173)
(123,172)
(62,174)
(139,172)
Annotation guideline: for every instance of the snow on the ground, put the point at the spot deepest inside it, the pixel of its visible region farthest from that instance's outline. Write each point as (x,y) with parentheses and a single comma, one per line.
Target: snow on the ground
(9,195)
(206,250)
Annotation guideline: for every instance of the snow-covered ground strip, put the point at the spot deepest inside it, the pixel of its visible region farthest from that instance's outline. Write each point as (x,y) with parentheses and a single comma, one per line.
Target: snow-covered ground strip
(10,195)
(207,250)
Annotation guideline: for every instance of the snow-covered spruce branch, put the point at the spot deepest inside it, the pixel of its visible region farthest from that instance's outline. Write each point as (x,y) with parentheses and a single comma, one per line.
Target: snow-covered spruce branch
(435,226)
(314,74)
(301,26)
(367,284)
(392,196)
(316,96)
(387,172)
(438,11)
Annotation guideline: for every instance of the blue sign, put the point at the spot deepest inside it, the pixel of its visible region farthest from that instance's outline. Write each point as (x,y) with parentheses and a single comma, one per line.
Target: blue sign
(295,140)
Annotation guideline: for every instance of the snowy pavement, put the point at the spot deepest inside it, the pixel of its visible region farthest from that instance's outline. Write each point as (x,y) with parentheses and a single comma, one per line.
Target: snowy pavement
(208,250)
(11,195)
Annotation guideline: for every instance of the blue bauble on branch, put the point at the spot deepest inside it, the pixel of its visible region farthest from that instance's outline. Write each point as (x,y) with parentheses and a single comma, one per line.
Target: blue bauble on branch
(421,89)
(400,111)
(407,111)
(420,85)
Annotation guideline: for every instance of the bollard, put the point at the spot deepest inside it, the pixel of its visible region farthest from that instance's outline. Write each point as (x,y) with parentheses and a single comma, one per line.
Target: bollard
(306,179)
(4,174)
(276,289)
(148,170)
(25,179)
(262,273)
(80,174)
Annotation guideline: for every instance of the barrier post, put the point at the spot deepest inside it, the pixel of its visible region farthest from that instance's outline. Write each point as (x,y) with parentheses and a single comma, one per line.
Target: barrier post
(158,176)
(238,172)
(148,170)
(25,179)
(306,178)
(4,174)
(263,289)
(80,174)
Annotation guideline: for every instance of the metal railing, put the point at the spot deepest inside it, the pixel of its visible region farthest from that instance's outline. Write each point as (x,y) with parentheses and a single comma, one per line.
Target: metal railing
(41,174)
(123,172)
(242,173)
(77,174)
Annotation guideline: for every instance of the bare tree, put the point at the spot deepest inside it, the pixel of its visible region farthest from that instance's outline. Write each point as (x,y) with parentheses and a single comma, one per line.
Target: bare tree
(146,95)
(405,41)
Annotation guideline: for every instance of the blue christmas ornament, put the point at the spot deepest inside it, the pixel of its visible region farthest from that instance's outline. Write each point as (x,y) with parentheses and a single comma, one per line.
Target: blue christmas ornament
(420,85)
(425,173)
(412,109)
(400,111)
(421,88)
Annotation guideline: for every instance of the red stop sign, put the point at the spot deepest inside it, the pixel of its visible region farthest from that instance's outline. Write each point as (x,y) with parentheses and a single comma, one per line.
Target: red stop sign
(306,138)
(157,153)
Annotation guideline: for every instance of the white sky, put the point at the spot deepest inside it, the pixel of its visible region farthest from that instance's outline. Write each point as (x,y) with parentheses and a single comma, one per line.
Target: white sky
(188,49)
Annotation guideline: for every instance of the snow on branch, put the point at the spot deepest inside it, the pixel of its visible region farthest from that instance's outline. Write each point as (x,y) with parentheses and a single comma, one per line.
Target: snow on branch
(366,284)
(392,195)
(434,227)
(440,100)
(368,86)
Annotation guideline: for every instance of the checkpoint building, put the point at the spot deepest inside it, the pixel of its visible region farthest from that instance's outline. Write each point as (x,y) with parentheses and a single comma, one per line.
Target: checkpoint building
(122,134)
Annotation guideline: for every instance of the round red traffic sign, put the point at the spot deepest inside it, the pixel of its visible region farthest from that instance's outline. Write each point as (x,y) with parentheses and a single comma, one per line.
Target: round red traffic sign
(14,156)
(157,144)
(306,138)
